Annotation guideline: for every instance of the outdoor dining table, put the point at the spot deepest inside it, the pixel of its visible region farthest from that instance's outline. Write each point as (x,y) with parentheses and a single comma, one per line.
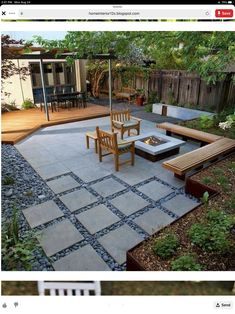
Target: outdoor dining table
(57,99)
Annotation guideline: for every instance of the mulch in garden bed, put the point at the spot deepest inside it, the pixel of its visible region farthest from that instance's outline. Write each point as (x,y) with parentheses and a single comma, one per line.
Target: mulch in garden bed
(224,201)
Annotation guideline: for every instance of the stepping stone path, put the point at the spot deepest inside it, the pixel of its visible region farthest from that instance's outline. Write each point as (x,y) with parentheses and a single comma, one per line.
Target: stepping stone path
(97,218)
(59,236)
(62,184)
(42,213)
(78,199)
(126,206)
(85,259)
(180,205)
(153,220)
(97,237)
(107,187)
(119,241)
(155,190)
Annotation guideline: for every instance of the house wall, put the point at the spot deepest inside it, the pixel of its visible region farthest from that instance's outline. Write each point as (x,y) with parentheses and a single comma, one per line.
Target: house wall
(18,89)
(80,70)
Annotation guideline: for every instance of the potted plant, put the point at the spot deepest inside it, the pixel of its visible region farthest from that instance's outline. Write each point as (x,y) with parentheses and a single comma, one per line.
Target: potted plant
(140,97)
(28,104)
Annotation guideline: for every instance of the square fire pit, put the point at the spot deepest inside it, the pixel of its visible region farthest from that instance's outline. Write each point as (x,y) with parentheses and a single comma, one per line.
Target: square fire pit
(155,146)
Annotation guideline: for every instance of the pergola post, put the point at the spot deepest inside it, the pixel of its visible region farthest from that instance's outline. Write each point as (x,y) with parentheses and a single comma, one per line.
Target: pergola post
(44,90)
(110,85)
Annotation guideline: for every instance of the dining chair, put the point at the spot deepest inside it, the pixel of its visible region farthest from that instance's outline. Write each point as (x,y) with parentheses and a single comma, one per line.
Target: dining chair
(69,288)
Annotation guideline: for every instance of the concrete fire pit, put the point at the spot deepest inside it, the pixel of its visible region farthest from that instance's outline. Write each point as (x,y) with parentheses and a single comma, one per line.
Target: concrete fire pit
(155,146)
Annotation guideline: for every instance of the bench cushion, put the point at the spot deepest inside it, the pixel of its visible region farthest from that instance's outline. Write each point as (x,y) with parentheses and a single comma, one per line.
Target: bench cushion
(182,164)
(122,147)
(128,123)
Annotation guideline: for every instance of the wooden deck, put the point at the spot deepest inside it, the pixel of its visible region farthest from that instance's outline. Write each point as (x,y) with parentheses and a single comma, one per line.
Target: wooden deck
(17,125)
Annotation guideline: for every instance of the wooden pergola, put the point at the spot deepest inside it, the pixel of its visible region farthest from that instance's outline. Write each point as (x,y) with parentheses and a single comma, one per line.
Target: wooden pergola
(38,53)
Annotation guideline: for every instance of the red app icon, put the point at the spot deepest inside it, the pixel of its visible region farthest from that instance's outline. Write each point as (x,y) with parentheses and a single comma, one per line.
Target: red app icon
(224,13)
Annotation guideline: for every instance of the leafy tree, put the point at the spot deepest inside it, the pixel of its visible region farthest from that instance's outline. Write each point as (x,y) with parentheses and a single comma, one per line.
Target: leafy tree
(9,68)
(206,53)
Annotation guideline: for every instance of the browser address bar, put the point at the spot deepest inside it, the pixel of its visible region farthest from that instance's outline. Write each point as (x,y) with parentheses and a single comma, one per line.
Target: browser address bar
(97,14)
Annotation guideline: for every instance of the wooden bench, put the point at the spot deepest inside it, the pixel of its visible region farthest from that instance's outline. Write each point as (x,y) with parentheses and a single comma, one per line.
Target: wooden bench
(188,133)
(126,93)
(195,159)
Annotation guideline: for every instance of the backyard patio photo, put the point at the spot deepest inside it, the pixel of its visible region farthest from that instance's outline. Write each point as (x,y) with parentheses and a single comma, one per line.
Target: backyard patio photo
(118,151)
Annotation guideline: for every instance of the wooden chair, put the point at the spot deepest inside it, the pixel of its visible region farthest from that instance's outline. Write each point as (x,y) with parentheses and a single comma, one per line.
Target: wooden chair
(64,288)
(108,141)
(123,121)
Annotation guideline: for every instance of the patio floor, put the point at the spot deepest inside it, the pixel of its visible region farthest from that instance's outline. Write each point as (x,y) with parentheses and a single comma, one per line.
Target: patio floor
(97,214)
(17,125)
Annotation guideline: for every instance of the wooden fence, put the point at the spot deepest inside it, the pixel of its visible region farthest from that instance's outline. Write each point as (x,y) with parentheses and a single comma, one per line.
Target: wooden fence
(183,88)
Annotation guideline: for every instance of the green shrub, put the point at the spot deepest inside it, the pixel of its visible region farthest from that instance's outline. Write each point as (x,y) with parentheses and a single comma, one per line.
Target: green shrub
(222,116)
(230,204)
(8,181)
(217,172)
(207,180)
(8,107)
(205,198)
(199,234)
(167,246)
(148,108)
(223,182)
(206,122)
(185,263)
(171,98)
(153,98)
(213,235)
(17,253)
(28,104)
(218,217)
(231,166)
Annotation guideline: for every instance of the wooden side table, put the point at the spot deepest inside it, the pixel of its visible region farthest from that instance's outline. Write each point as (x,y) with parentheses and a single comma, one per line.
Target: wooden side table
(92,135)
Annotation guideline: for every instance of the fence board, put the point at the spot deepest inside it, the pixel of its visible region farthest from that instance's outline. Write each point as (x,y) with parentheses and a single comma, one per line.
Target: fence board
(183,88)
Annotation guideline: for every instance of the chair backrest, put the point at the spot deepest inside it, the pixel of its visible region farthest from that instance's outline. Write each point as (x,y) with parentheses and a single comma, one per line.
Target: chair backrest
(107,140)
(121,116)
(66,288)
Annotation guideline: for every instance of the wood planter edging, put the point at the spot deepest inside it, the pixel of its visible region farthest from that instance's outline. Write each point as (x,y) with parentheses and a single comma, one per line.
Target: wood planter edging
(197,189)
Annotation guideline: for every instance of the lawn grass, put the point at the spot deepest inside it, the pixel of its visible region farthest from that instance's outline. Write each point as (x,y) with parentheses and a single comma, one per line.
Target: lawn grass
(134,288)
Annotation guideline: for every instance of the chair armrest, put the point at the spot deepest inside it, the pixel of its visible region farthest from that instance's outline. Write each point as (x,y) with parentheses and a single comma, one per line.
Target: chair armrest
(134,118)
(118,122)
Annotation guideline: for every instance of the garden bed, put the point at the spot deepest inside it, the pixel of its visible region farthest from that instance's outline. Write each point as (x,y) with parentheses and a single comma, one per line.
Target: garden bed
(218,177)
(205,124)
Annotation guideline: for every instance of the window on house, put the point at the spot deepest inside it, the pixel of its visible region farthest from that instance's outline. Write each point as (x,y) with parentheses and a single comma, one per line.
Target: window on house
(36,76)
(48,74)
(59,74)
(69,73)
(56,74)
